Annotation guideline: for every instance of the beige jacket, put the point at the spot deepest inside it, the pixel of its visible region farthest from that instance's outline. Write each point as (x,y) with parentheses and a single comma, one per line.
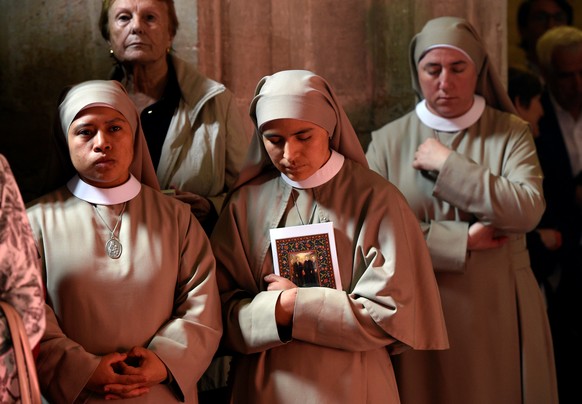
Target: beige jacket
(206,142)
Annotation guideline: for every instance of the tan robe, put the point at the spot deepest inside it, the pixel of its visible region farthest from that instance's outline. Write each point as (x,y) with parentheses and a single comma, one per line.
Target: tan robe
(501,349)
(160,294)
(339,351)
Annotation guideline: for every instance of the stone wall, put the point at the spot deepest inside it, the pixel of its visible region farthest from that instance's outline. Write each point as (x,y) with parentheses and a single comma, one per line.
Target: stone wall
(360,46)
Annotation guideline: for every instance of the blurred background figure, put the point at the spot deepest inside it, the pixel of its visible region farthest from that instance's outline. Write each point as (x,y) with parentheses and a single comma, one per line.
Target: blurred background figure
(20,280)
(559,148)
(534,17)
(525,90)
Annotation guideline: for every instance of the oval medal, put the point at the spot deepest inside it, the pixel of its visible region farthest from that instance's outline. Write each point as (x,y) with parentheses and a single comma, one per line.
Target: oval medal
(113,248)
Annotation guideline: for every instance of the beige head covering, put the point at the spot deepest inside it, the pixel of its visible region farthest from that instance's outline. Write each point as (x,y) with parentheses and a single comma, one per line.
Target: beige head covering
(458,33)
(298,94)
(111,93)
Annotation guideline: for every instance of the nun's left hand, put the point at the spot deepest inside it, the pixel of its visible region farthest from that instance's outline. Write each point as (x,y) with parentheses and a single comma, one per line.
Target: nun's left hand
(286,303)
(431,155)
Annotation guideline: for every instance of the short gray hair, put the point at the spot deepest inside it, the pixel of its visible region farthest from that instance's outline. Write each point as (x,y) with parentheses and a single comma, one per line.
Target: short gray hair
(558,37)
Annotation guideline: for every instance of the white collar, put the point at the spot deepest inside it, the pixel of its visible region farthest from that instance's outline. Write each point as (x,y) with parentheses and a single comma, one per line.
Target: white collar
(321,176)
(104,196)
(451,124)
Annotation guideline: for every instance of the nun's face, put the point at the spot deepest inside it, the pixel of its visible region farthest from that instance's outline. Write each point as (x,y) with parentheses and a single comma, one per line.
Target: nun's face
(447,80)
(101,146)
(297,148)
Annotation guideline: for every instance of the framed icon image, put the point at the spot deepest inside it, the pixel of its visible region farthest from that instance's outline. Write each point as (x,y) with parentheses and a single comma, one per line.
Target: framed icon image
(306,255)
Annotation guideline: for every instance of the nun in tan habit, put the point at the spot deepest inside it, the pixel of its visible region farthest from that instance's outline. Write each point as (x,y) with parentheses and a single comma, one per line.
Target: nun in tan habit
(132,303)
(319,344)
(469,170)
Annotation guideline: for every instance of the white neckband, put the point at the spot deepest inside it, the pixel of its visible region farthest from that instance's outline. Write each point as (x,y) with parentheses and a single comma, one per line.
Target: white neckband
(104,196)
(451,124)
(321,176)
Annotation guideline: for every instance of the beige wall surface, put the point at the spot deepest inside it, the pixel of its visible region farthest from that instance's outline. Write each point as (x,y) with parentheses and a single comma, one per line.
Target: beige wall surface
(360,46)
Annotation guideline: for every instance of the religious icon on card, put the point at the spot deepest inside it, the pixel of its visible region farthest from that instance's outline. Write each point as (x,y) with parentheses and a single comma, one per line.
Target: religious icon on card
(306,255)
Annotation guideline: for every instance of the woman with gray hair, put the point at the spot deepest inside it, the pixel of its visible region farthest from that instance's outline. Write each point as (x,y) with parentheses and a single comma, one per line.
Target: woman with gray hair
(469,170)
(194,130)
(320,344)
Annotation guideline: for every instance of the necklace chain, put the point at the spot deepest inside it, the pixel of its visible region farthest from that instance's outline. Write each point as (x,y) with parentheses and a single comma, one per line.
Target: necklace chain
(113,247)
(116,224)
(299,213)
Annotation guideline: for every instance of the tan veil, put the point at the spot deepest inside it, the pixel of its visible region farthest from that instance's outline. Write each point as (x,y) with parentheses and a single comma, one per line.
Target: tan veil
(112,94)
(457,32)
(298,94)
